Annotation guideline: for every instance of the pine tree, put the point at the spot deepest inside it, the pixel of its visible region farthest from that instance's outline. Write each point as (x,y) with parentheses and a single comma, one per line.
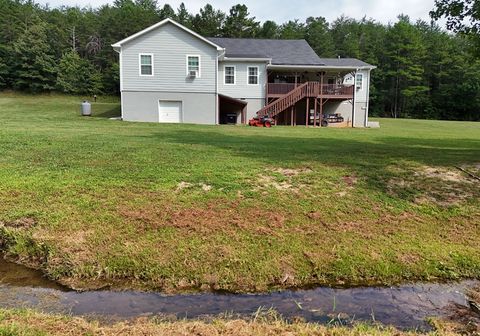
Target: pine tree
(209,22)
(269,30)
(34,65)
(404,52)
(183,16)
(3,74)
(345,34)
(292,30)
(77,75)
(239,24)
(318,36)
(4,68)
(167,12)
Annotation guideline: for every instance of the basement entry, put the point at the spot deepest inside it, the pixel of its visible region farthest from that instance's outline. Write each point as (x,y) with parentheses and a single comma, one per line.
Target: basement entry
(169,111)
(232,110)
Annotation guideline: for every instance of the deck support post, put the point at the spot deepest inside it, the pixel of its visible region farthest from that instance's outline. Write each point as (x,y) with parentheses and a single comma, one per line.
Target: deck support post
(321,98)
(307,112)
(321,111)
(315,114)
(291,116)
(266,90)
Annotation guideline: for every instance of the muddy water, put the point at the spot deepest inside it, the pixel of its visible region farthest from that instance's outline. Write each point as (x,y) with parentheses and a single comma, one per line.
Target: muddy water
(18,276)
(405,307)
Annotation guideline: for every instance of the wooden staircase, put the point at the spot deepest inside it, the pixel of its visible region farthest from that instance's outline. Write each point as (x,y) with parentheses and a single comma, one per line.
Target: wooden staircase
(308,89)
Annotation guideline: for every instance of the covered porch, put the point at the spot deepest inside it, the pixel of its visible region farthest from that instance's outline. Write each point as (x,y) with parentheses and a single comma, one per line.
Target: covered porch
(310,96)
(333,84)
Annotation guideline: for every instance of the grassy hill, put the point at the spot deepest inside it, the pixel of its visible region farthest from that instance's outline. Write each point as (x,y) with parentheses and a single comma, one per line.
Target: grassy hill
(93,201)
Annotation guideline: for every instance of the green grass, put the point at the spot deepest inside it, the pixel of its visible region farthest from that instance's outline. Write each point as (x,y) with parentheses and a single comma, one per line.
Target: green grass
(357,205)
(15,322)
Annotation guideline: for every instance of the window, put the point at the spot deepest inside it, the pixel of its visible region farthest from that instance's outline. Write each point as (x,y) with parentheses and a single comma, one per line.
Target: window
(253,75)
(359,81)
(193,64)
(146,65)
(229,75)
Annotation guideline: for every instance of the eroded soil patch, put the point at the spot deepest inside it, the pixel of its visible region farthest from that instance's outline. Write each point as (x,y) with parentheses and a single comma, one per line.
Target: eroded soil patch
(441,186)
(212,217)
(20,223)
(281,179)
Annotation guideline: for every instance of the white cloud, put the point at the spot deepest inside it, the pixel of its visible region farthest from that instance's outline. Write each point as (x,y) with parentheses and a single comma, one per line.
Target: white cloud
(283,10)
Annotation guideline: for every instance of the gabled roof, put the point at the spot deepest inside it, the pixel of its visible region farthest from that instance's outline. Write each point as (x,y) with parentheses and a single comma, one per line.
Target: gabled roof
(159,24)
(281,52)
(295,53)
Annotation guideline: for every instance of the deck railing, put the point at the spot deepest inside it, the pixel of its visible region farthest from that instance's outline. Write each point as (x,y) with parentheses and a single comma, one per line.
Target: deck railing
(280,88)
(308,89)
(276,89)
(285,101)
(337,90)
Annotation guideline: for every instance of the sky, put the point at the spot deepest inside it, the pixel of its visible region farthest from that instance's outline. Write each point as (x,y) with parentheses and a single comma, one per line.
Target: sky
(280,11)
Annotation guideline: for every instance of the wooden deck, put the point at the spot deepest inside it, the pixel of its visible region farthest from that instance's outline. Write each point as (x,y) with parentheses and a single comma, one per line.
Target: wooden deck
(313,92)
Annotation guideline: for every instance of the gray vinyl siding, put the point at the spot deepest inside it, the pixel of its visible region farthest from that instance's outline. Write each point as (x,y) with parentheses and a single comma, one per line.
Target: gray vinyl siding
(361,95)
(170,46)
(241,88)
(360,118)
(344,108)
(360,114)
(197,108)
(254,105)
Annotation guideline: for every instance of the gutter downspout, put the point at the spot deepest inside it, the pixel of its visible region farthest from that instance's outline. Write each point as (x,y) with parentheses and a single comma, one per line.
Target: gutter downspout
(354,110)
(368,98)
(265,87)
(217,103)
(121,80)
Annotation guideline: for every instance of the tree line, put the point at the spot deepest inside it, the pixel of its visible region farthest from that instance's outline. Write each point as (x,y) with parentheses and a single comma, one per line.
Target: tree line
(422,70)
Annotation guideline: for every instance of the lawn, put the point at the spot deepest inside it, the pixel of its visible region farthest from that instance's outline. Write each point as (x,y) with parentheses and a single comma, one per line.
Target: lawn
(31,323)
(95,202)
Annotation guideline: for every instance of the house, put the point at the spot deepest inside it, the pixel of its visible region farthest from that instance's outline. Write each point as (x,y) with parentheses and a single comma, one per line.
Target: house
(168,73)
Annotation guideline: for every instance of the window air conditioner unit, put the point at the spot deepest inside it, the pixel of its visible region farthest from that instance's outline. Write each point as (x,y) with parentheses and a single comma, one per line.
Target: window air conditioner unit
(193,73)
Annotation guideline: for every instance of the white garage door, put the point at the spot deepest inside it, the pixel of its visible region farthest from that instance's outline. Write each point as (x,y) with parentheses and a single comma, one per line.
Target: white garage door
(170,111)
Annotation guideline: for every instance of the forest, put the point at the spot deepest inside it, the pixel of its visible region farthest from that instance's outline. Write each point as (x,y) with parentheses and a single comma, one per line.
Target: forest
(423,70)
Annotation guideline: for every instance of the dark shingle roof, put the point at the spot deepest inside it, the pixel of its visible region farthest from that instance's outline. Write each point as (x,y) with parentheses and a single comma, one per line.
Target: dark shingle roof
(291,52)
(282,52)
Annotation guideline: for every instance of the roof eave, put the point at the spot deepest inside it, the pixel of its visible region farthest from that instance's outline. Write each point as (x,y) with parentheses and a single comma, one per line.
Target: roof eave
(313,66)
(248,59)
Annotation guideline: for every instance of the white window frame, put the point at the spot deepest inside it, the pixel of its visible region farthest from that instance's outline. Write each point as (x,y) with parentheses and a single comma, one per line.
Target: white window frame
(258,75)
(361,81)
(199,65)
(140,65)
(225,74)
